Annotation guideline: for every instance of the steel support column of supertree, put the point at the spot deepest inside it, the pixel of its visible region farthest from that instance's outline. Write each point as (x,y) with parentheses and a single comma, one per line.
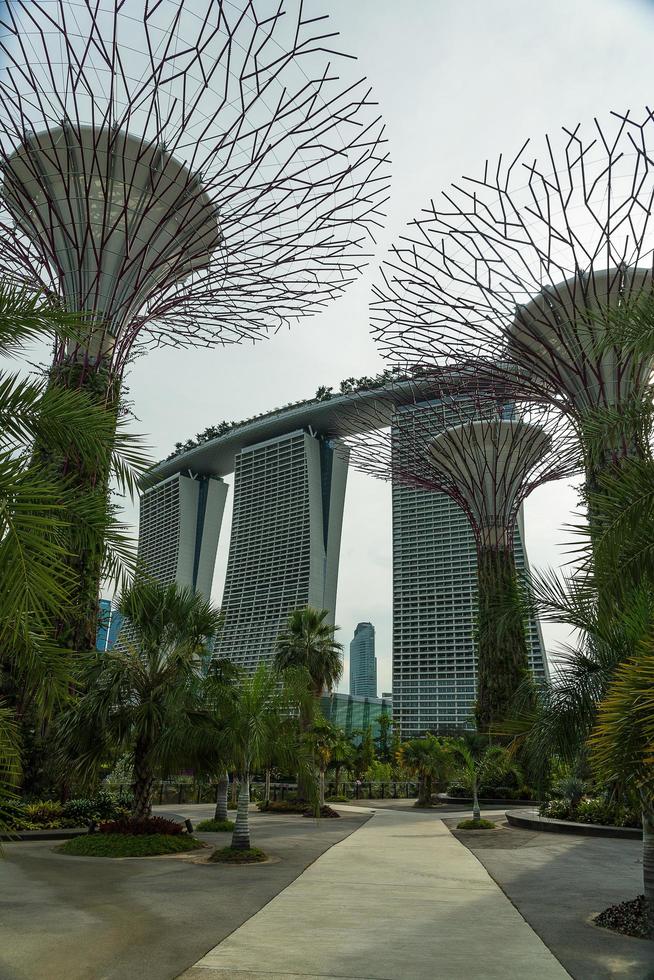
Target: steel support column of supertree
(488,456)
(181,173)
(528,272)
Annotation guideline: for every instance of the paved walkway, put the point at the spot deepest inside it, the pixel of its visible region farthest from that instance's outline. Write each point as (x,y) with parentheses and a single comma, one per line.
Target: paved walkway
(400,899)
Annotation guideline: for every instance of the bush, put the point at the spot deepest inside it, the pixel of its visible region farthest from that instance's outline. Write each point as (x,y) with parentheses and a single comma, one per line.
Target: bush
(337,799)
(231,855)
(475,825)
(143,825)
(215,826)
(282,806)
(104,806)
(123,845)
(596,810)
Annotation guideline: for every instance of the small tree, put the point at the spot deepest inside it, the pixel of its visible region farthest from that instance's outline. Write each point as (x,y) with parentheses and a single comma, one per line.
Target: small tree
(478,761)
(258,719)
(342,757)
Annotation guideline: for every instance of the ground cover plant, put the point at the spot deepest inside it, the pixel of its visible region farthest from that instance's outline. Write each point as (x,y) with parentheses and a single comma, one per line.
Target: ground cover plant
(629,918)
(479,824)
(215,826)
(126,845)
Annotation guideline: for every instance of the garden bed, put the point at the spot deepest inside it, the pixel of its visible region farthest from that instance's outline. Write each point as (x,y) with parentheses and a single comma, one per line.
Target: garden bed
(126,845)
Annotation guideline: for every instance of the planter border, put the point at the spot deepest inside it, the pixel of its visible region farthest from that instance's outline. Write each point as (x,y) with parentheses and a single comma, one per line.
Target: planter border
(490,801)
(518,818)
(60,833)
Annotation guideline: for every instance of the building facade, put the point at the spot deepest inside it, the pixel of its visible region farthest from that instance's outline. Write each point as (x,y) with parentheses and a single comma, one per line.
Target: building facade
(353,712)
(435,604)
(289,493)
(363,663)
(179,528)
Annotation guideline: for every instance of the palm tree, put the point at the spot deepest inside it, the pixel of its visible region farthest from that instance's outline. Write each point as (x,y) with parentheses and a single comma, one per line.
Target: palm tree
(324,737)
(146,696)
(308,642)
(257,722)
(430,760)
(479,761)
(622,747)
(342,756)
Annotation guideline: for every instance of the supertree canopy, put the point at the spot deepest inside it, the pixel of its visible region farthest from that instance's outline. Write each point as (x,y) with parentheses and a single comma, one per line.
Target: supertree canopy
(487,455)
(524,270)
(182,172)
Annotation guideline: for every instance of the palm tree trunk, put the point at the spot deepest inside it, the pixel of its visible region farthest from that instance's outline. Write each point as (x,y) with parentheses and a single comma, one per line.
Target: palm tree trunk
(648,859)
(266,791)
(143,782)
(476,812)
(241,835)
(234,790)
(221,797)
(337,776)
(321,799)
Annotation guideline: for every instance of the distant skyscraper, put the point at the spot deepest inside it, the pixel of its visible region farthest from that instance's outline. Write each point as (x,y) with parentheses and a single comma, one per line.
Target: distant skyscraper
(109,623)
(289,494)
(179,528)
(435,604)
(363,663)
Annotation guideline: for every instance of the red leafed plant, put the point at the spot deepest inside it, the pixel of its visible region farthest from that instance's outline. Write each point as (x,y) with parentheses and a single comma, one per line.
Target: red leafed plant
(141,825)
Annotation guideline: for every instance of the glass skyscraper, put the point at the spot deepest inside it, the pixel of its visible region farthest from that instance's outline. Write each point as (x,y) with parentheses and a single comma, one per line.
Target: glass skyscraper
(109,623)
(363,663)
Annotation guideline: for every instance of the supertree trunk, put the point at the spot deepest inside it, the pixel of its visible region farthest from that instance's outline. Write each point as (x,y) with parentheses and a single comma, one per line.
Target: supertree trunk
(502,647)
(222,789)
(89,481)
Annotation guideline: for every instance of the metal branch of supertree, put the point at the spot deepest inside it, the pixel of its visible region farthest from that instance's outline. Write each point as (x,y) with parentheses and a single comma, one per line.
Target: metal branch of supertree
(522,269)
(183,172)
(485,453)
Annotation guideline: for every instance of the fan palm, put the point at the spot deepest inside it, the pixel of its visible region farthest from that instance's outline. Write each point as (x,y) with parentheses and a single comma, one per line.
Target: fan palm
(429,759)
(308,642)
(145,696)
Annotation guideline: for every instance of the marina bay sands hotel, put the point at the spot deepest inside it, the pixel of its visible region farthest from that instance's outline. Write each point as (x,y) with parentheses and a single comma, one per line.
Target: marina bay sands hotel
(290,477)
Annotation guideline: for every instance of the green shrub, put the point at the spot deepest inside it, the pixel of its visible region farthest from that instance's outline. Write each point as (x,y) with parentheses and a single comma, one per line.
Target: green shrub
(230,855)
(104,806)
(475,825)
(337,799)
(143,825)
(282,806)
(122,845)
(596,810)
(215,826)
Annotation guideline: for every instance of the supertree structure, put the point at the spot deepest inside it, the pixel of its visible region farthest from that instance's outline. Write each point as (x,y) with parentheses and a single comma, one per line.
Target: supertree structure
(182,173)
(487,455)
(526,273)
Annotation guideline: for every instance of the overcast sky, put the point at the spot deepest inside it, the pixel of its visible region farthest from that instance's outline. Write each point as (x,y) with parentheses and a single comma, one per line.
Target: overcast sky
(457,81)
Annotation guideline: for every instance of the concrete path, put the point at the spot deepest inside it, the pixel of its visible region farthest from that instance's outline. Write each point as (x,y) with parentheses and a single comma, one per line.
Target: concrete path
(400,899)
